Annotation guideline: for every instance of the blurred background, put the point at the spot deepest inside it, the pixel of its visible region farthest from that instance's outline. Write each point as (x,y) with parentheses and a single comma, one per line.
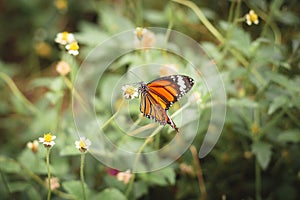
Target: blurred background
(257,155)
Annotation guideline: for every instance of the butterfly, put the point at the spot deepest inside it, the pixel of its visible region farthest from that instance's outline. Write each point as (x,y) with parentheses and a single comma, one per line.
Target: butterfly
(158,96)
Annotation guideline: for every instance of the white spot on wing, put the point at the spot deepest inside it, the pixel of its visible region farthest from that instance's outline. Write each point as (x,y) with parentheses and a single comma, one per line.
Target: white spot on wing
(181,84)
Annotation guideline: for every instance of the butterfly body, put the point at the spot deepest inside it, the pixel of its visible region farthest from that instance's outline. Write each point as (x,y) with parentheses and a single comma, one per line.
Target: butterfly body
(159,95)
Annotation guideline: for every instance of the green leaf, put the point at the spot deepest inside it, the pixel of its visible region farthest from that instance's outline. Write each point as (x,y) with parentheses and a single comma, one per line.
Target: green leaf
(287,17)
(154,16)
(69,151)
(9,165)
(33,162)
(240,39)
(18,186)
(75,188)
(110,194)
(263,153)
(54,97)
(162,177)
(114,23)
(277,103)
(90,34)
(54,84)
(290,136)
(245,102)
(140,189)
(283,81)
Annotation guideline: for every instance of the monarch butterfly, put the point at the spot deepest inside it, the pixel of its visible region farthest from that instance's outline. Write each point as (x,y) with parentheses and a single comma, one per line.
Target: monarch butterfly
(158,95)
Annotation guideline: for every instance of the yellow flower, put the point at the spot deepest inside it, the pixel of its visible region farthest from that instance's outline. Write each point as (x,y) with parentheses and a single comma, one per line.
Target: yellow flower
(129,92)
(33,146)
(47,140)
(73,48)
(83,144)
(251,17)
(124,176)
(64,38)
(63,68)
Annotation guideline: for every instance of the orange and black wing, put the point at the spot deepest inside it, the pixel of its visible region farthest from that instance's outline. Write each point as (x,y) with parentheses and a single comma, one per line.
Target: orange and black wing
(153,110)
(168,90)
(158,95)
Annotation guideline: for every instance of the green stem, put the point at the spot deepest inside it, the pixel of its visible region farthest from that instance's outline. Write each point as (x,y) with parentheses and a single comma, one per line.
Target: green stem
(75,93)
(202,18)
(139,13)
(5,182)
(149,139)
(218,35)
(230,16)
(257,180)
(170,25)
(17,92)
(112,117)
(82,175)
(49,175)
(36,178)
(199,173)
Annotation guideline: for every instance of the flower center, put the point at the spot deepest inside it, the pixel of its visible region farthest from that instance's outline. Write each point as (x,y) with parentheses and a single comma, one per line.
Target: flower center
(130,90)
(82,144)
(74,46)
(253,16)
(48,137)
(65,36)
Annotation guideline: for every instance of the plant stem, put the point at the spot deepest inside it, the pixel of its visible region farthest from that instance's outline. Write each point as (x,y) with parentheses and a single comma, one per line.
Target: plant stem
(5,182)
(36,178)
(230,16)
(202,18)
(17,92)
(139,13)
(49,175)
(82,175)
(199,173)
(112,117)
(257,180)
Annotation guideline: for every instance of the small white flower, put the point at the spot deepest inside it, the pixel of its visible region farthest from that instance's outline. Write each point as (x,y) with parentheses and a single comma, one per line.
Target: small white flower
(83,144)
(73,48)
(64,38)
(130,92)
(47,140)
(251,17)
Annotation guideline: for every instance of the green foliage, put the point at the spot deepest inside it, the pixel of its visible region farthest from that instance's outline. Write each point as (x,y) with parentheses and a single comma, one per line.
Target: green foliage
(257,155)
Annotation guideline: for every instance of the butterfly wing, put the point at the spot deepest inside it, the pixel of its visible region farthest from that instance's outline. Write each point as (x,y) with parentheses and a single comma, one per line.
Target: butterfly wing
(158,95)
(153,110)
(168,90)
